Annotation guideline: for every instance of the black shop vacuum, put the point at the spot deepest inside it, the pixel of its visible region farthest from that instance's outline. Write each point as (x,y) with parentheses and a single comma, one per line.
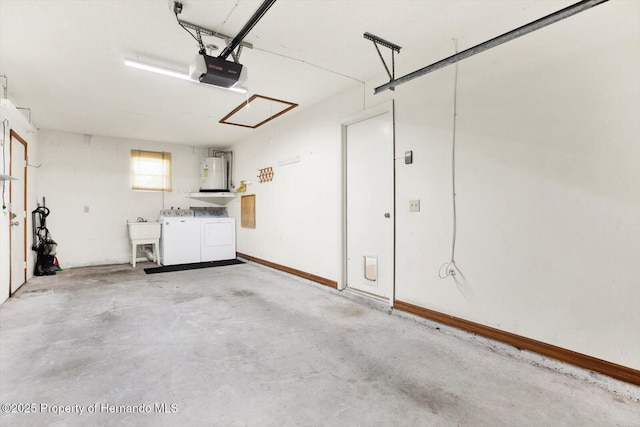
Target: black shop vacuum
(44,246)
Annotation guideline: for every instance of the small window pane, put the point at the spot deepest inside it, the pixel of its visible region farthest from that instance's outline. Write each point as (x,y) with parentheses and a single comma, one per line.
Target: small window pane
(150,170)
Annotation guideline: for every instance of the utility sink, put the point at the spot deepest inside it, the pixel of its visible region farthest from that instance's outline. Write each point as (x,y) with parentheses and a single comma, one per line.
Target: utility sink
(144,230)
(145,233)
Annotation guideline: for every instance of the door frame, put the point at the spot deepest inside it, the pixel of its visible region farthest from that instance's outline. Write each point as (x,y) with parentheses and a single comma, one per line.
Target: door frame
(382,108)
(13,135)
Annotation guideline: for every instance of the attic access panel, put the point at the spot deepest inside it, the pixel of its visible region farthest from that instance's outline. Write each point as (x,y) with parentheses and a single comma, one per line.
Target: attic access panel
(257,111)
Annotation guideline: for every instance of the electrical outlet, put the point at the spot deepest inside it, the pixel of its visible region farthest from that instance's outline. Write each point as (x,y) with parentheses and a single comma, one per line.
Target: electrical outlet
(414,205)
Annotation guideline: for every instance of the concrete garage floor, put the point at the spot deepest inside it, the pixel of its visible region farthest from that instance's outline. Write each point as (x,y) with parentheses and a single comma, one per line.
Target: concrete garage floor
(247,345)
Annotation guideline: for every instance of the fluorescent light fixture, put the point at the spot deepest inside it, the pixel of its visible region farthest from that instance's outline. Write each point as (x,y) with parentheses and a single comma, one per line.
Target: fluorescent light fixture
(156,69)
(172,73)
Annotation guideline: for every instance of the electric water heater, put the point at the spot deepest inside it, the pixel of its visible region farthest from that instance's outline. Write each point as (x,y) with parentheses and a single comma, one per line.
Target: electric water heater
(213,174)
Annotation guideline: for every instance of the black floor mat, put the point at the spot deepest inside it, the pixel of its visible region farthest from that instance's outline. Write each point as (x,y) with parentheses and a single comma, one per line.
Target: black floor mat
(193,266)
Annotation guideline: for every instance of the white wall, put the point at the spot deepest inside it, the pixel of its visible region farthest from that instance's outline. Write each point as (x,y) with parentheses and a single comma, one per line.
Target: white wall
(82,170)
(297,213)
(16,121)
(548,185)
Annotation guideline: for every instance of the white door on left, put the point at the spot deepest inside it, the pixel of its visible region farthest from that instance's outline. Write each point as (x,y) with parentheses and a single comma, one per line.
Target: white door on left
(18,212)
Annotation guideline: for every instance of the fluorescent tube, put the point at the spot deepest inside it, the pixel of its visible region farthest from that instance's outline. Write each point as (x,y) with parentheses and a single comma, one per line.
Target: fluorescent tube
(156,69)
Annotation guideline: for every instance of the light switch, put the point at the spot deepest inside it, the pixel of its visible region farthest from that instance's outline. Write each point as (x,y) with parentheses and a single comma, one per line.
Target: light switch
(414,205)
(408,157)
(86,209)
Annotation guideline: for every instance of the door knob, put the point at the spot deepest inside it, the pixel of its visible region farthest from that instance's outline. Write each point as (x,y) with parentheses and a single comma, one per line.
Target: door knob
(15,223)
(387,215)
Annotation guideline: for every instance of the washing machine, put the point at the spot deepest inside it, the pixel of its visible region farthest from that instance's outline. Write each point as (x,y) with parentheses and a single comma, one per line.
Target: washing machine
(217,234)
(180,237)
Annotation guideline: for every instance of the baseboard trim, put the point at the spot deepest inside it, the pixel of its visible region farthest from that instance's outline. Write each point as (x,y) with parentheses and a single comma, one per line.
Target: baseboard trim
(299,273)
(613,370)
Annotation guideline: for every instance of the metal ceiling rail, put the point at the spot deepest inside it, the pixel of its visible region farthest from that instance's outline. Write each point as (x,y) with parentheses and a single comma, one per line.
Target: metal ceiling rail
(496,41)
(208,32)
(258,14)
(382,42)
(392,46)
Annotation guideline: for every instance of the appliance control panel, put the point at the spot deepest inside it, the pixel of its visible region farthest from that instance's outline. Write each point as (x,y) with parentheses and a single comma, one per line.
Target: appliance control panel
(175,213)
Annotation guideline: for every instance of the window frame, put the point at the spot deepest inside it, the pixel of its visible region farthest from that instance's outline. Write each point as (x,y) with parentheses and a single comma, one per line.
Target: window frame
(163,178)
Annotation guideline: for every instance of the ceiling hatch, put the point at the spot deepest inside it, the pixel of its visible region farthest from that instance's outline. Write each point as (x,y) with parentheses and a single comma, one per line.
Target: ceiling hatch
(256,111)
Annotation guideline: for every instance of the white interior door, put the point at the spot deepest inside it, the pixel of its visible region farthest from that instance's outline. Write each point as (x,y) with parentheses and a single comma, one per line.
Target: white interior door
(18,215)
(369,205)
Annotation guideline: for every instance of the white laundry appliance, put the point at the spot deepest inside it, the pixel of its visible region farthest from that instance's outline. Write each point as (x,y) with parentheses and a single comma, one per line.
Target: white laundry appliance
(180,237)
(217,234)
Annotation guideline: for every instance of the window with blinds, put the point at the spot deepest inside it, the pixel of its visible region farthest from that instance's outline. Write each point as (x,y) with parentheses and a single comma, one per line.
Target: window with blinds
(150,170)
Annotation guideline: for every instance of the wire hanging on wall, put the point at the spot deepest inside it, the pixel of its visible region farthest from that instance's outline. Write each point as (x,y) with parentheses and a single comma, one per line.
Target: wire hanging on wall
(449,268)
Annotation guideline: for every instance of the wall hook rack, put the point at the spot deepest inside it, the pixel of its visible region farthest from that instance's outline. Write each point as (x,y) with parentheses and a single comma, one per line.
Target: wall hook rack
(265,175)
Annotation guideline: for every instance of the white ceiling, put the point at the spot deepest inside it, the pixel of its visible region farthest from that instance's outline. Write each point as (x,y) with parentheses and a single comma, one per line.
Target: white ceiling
(64,58)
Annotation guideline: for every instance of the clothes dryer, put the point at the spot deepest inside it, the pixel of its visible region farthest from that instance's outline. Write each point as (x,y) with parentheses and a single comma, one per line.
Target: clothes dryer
(217,234)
